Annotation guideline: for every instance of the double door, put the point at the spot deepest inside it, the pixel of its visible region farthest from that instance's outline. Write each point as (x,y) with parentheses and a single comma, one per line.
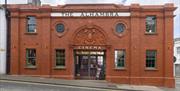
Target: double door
(90,67)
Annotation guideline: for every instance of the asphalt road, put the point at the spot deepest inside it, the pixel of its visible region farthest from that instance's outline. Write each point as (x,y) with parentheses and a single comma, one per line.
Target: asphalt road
(24,86)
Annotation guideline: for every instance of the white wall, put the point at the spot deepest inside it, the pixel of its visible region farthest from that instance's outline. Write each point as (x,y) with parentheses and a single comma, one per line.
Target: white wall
(3,40)
(177,63)
(177,44)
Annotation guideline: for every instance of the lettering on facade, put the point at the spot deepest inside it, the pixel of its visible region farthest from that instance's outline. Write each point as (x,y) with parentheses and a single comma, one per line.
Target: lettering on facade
(90,14)
(90,47)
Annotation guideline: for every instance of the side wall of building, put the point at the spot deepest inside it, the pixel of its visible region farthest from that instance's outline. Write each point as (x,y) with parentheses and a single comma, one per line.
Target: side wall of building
(3,40)
(177,63)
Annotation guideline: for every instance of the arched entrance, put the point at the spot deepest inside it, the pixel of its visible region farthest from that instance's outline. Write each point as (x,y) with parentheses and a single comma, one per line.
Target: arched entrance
(89,53)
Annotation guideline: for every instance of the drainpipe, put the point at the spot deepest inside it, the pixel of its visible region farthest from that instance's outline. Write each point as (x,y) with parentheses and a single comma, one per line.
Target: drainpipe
(7,15)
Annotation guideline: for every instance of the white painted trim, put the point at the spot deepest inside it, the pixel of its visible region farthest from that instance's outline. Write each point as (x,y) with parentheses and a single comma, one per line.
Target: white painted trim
(90,14)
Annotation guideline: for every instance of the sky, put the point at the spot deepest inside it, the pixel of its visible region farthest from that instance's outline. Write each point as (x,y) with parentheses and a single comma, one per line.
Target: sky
(126,2)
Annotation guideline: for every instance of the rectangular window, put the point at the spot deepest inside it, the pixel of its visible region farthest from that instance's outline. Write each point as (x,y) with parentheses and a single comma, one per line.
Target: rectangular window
(178,50)
(31,24)
(30,57)
(60,58)
(151,58)
(150,24)
(120,58)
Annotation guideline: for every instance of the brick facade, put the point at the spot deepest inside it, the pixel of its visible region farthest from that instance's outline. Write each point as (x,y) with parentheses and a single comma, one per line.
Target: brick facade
(134,40)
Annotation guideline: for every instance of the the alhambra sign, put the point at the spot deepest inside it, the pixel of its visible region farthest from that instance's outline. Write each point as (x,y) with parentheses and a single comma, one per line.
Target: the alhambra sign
(89,14)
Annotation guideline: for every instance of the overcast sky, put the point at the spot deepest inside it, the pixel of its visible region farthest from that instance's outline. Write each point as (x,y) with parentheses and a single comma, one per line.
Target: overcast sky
(127,2)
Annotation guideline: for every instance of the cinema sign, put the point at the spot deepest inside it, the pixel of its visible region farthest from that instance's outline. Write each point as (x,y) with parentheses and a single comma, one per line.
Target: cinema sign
(89,14)
(90,47)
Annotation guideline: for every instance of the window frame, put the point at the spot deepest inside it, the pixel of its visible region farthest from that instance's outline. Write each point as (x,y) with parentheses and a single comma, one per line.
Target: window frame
(63,27)
(27,58)
(178,51)
(55,63)
(122,25)
(124,61)
(155,31)
(60,34)
(120,34)
(155,61)
(27,25)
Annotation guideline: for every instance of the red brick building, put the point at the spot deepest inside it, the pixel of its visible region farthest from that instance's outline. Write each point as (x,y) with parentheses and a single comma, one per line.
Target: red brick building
(122,44)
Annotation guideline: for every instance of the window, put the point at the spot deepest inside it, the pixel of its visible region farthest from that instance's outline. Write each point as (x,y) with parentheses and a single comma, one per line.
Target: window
(119,58)
(60,28)
(120,28)
(30,57)
(151,58)
(31,24)
(151,24)
(60,58)
(178,50)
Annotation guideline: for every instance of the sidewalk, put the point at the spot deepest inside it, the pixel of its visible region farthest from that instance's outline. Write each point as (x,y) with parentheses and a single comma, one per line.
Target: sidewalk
(102,84)
(78,83)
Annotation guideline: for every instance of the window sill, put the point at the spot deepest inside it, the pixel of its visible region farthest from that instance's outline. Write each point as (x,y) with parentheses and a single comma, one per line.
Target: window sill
(31,67)
(120,68)
(151,69)
(147,33)
(31,33)
(60,68)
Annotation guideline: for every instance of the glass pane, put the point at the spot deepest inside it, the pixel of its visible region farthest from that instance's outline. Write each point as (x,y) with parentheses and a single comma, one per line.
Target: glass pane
(120,58)
(100,60)
(31,26)
(30,57)
(60,57)
(31,62)
(150,58)
(178,50)
(60,28)
(90,52)
(120,27)
(150,24)
(100,53)
(60,62)
(93,52)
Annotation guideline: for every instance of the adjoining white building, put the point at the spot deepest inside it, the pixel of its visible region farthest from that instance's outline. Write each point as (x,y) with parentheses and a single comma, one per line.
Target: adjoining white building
(3,41)
(177,55)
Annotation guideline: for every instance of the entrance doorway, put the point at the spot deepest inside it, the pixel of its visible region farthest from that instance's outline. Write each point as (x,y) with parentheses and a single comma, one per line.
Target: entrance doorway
(90,65)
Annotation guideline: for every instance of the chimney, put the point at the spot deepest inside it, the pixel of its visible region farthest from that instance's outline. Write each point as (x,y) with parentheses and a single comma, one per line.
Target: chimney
(34,2)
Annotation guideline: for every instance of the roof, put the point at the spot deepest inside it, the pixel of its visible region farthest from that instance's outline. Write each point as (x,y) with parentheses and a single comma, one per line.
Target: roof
(93,7)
